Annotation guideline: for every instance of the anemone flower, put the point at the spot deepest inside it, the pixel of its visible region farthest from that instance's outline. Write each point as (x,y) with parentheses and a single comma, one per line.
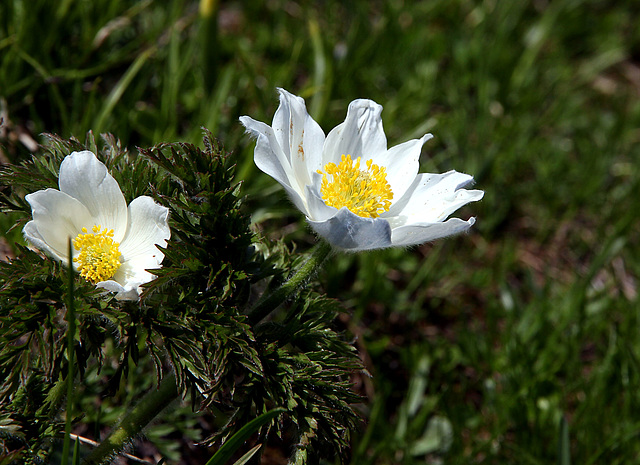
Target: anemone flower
(113,245)
(355,192)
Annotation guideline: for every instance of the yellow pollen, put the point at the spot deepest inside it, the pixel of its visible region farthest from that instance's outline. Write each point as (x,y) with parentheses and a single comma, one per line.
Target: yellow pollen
(365,192)
(99,257)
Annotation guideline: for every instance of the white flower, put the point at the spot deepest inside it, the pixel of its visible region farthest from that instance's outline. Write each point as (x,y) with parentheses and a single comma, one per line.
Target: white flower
(113,244)
(355,192)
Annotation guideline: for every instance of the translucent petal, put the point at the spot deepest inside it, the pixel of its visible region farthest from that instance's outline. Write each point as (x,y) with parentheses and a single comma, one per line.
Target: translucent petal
(56,218)
(299,200)
(420,233)
(33,236)
(268,155)
(85,178)
(269,158)
(402,164)
(353,233)
(299,136)
(148,226)
(132,274)
(432,198)
(317,209)
(122,292)
(360,135)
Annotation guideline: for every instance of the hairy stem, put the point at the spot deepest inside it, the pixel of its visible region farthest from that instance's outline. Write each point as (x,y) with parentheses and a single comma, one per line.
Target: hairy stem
(133,423)
(302,275)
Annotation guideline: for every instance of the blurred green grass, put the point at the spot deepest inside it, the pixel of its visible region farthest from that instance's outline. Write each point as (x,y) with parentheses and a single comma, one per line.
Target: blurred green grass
(479,344)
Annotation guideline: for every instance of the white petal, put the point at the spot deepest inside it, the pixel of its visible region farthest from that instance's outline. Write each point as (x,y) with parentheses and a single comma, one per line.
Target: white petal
(299,136)
(414,234)
(269,158)
(432,198)
(148,226)
(56,218)
(361,134)
(351,232)
(33,236)
(268,155)
(85,178)
(317,209)
(401,163)
(132,274)
(299,200)
(123,292)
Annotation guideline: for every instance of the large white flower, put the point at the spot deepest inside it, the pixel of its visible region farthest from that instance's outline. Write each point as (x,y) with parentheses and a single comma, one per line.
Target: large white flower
(113,245)
(355,192)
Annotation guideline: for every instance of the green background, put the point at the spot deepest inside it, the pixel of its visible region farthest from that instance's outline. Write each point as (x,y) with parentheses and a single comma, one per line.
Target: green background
(478,345)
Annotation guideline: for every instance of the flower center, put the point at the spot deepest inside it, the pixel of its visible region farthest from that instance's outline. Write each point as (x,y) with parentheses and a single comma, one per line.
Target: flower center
(365,192)
(99,257)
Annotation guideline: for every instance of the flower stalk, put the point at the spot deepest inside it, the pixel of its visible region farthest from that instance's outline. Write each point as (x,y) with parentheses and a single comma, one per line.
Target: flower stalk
(302,276)
(135,421)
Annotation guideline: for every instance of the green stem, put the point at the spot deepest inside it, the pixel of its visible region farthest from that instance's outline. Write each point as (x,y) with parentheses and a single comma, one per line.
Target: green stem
(306,271)
(71,332)
(133,423)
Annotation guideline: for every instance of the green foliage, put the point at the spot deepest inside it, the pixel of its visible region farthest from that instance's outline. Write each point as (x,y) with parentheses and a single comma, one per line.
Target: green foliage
(225,452)
(303,364)
(192,315)
(531,317)
(28,428)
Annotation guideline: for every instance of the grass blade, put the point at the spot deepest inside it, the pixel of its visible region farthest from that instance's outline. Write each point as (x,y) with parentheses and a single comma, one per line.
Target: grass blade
(76,452)
(246,457)
(71,329)
(564,452)
(121,86)
(226,451)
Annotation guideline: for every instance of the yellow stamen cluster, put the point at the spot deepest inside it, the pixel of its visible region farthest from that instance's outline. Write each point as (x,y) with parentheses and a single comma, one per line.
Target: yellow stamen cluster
(99,257)
(365,192)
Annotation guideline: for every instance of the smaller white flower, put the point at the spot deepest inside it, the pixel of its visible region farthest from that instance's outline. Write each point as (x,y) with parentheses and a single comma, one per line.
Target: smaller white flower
(113,245)
(355,192)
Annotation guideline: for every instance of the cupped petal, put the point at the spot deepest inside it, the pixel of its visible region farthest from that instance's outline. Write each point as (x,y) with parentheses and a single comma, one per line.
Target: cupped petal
(402,164)
(432,198)
(270,159)
(133,273)
(85,178)
(56,217)
(419,233)
(33,236)
(352,233)
(317,210)
(127,292)
(268,155)
(299,136)
(130,276)
(360,135)
(148,225)
(298,199)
